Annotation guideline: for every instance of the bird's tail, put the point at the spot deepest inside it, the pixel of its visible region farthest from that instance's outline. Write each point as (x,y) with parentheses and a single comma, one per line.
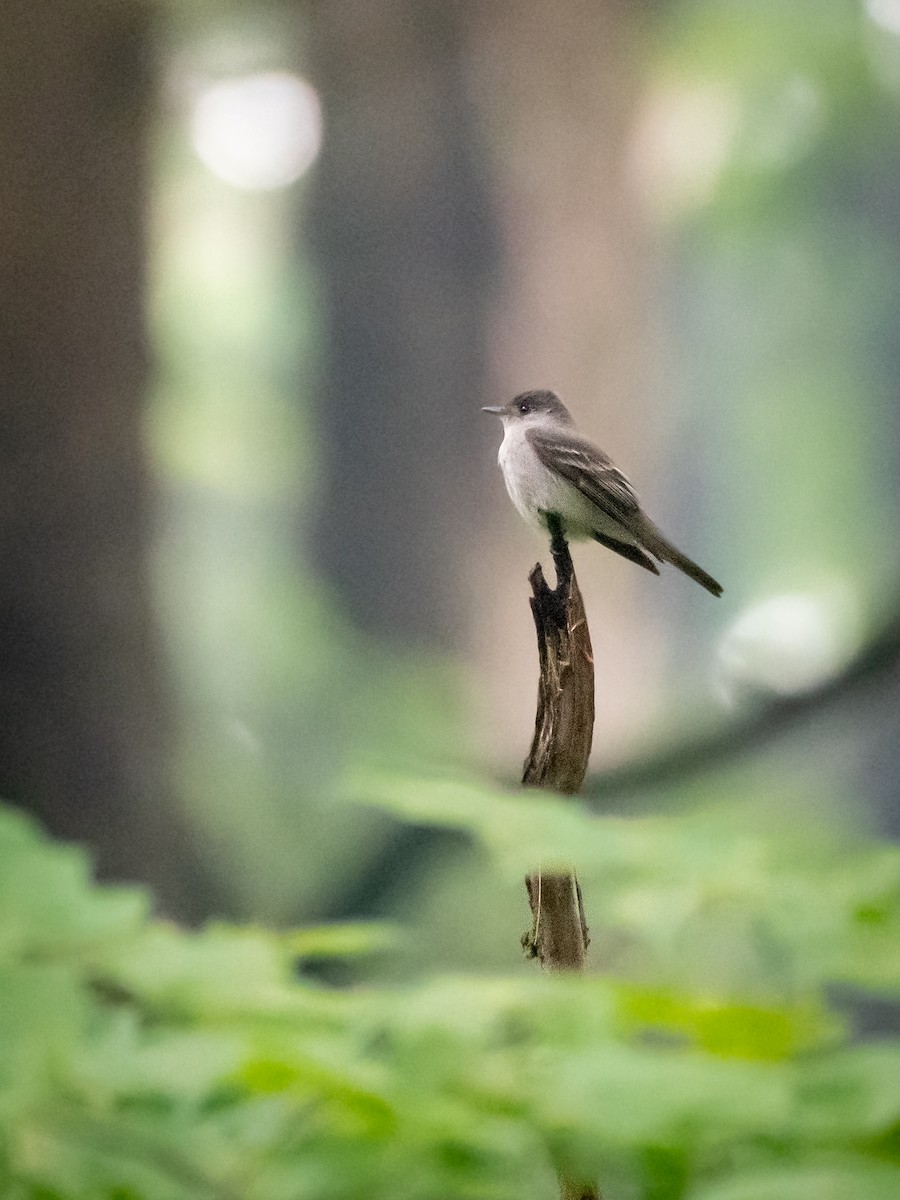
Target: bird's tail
(663,549)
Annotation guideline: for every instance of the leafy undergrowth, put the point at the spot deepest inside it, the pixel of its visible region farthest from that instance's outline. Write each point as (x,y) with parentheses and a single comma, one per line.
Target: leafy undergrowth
(141,1062)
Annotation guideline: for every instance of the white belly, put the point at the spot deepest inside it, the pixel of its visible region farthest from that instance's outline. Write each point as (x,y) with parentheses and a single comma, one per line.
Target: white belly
(536,491)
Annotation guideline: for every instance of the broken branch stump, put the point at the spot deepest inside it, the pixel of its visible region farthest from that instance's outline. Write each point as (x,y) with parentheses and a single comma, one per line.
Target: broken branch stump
(558,758)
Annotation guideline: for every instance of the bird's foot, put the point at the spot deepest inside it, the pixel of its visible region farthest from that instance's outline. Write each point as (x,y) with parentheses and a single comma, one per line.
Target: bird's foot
(559,548)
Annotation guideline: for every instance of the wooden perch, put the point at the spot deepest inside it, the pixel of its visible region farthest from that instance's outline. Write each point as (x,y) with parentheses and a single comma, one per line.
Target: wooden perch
(559,752)
(557,760)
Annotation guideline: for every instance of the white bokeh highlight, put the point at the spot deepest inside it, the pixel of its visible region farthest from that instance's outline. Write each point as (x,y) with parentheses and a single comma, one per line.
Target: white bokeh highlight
(885,14)
(258,132)
(788,644)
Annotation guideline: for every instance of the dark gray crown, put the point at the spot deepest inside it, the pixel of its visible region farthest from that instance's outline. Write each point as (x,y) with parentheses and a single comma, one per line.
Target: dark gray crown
(540,402)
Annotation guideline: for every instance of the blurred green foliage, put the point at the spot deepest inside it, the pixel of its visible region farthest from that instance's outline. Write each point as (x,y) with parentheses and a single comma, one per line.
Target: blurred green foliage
(139,1061)
(782,227)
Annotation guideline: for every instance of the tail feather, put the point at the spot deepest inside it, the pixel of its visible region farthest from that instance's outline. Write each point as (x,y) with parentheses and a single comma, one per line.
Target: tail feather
(632,553)
(666,552)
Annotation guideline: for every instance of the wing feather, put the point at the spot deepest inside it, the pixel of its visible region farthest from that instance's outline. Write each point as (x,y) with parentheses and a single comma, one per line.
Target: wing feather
(591,471)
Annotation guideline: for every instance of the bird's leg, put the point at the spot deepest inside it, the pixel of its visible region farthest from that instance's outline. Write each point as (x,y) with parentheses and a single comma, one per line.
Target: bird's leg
(559,548)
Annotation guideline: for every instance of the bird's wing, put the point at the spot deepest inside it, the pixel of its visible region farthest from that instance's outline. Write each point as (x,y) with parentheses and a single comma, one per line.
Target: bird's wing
(589,470)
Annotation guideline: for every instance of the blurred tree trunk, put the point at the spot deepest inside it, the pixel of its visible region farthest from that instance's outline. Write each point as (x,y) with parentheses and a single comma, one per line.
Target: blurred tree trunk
(83,735)
(476,235)
(400,222)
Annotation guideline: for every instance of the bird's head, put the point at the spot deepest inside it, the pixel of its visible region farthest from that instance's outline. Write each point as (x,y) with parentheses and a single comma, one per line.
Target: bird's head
(532,408)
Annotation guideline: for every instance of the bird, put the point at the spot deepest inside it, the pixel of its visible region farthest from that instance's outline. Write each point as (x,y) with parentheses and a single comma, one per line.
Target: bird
(551,470)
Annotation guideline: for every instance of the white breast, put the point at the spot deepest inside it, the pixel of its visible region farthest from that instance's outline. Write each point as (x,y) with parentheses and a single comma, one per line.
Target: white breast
(535,490)
(523,473)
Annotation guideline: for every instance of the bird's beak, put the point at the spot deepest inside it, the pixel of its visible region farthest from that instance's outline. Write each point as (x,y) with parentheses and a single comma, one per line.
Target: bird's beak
(495,409)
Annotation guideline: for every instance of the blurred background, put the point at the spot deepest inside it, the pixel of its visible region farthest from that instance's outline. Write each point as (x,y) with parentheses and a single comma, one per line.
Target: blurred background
(261,266)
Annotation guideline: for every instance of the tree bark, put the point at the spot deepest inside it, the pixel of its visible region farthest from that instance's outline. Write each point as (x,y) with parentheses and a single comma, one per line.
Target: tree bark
(564,725)
(558,760)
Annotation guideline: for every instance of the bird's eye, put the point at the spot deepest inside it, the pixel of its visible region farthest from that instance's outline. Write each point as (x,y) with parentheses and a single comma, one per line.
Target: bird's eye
(524,407)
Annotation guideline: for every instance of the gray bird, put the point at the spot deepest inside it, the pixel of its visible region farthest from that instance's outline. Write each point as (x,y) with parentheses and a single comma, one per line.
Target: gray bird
(549,468)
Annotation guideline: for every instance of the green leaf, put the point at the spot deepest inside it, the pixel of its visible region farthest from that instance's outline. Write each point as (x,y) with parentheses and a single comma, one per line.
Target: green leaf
(727,1028)
(854,1092)
(831,1179)
(343,941)
(42,1017)
(48,905)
